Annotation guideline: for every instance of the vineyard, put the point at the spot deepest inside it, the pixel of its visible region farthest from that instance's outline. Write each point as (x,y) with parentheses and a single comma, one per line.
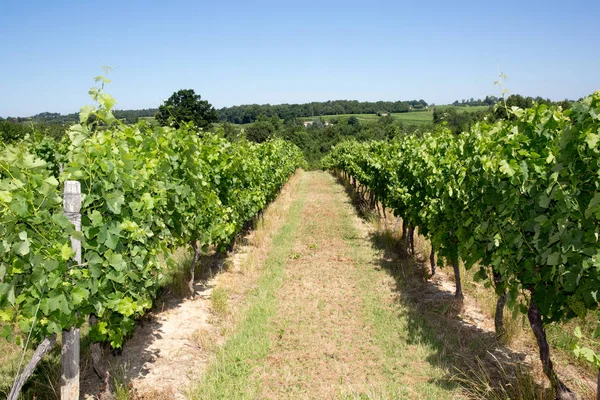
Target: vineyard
(145,192)
(517,200)
(90,224)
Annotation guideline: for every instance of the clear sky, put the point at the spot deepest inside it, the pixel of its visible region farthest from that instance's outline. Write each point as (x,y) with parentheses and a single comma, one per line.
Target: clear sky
(240,52)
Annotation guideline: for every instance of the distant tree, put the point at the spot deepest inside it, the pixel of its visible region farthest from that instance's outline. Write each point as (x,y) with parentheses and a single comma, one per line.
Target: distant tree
(339,109)
(490,100)
(186,106)
(291,121)
(514,100)
(387,119)
(438,116)
(457,120)
(317,124)
(231,132)
(263,129)
(12,132)
(565,104)
(353,121)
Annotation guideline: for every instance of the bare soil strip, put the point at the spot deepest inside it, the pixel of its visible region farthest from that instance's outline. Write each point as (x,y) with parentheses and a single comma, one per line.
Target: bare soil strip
(320,340)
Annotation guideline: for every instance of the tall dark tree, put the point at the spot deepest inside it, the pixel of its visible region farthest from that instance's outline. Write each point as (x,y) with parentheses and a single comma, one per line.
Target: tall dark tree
(263,129)
(186,106)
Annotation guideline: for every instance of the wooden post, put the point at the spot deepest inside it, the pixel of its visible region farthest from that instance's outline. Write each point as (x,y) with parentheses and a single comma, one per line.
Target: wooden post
(69,380)
(43,348)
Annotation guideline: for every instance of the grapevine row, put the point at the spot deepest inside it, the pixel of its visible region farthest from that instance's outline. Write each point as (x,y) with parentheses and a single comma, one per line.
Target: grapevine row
(147,190)
(519,200)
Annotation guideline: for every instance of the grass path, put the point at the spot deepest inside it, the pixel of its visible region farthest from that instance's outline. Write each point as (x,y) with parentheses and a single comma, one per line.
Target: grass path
(323,322)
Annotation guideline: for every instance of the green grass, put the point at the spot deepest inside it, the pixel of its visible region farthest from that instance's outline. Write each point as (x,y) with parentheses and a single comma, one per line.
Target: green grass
(463,109)
(228,377)
(414,363)
(150,120)
(420,115)
(411,118)
(219,301)
(415,118)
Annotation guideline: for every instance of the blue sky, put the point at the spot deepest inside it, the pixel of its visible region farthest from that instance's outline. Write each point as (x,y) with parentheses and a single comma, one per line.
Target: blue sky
(240,52)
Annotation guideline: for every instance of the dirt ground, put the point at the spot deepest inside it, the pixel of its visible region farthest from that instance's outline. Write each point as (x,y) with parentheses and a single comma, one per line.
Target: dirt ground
(320,340)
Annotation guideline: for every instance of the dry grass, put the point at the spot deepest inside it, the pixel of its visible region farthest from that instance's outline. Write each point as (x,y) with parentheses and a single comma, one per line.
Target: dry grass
(317,345)
(155,394)
(176,274)
(219,301)
(512,381)
(203,339)
(251,263)
(336,333)
(261,234)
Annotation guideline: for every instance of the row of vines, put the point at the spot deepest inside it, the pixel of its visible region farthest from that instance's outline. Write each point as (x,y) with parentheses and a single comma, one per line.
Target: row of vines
(519,200)
(146,191)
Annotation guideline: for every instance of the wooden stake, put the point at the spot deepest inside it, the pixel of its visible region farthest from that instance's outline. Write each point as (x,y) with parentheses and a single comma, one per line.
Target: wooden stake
(42,349)
(70,352)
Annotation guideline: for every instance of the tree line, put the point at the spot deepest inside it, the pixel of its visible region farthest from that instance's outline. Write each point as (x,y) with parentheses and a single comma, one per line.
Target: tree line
(488,101)
(515,99)
(245,114)
(248,113)
(268,121)
(127,116)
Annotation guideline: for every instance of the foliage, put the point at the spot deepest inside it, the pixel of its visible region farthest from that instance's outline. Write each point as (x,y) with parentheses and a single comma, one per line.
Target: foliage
(230,131)
(263,129)
(516,100)
(35,248)
(456,120)
(146,190)
(11,132)
(186,106)
(519,198)
(581,351)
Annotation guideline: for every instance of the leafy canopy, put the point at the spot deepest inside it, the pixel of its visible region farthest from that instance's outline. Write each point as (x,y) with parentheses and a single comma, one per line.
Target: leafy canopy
(186,106)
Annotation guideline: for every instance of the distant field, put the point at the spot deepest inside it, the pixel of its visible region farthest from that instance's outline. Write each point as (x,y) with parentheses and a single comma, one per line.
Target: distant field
(465,109)
(412,117)
(150,120)
(415,117)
